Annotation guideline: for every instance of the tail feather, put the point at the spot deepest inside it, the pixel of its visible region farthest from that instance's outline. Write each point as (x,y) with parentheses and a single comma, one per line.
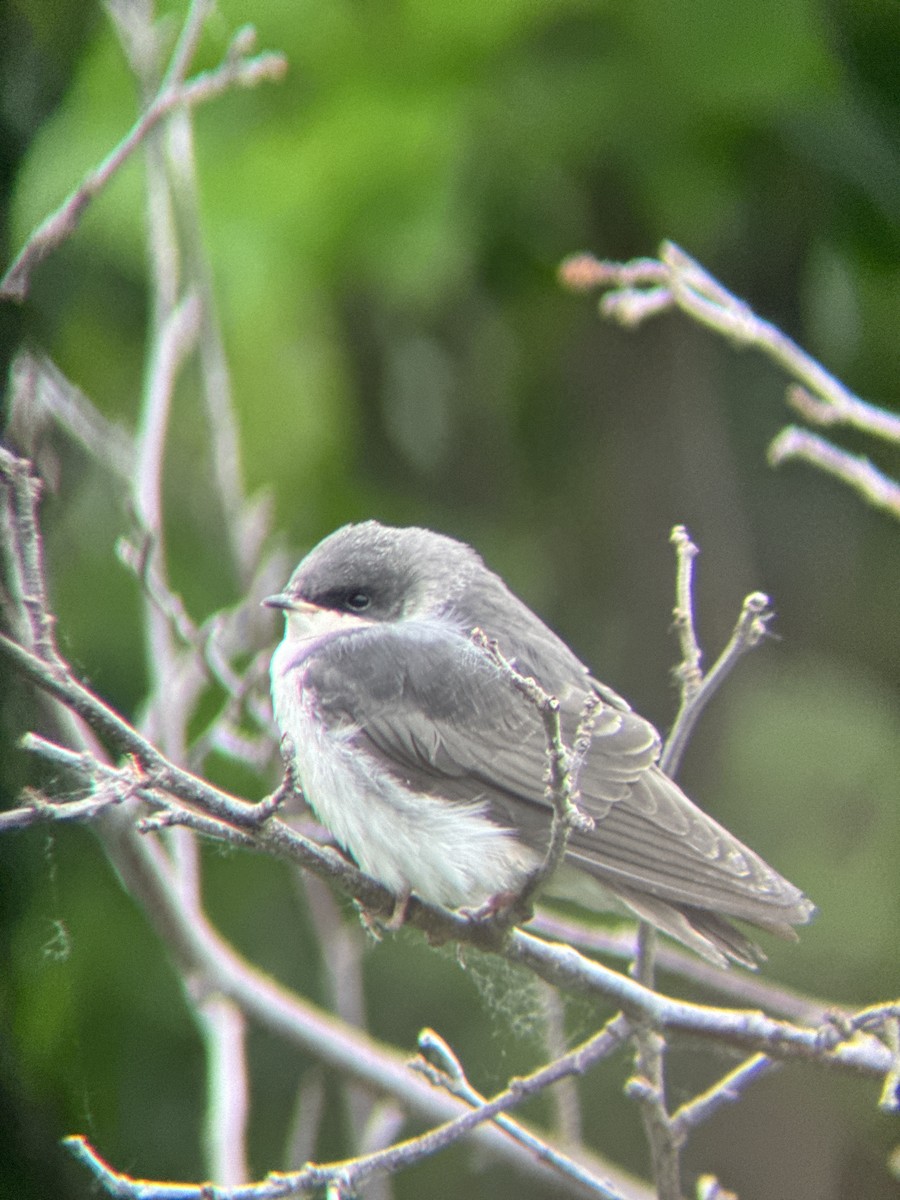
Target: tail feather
(706,933)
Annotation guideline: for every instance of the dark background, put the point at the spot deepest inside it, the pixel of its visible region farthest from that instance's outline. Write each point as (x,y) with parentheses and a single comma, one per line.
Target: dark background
(384,229)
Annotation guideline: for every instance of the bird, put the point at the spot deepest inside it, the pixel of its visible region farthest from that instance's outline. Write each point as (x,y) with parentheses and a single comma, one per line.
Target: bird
(419,754)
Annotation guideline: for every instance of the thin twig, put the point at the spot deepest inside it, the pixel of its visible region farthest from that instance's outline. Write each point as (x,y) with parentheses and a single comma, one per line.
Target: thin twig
(648,1084)
(188,41)
(450,1075)
(26,550)
(38,809)
(137,560)
(567,816)
(646,287)
(61,224)
(727,1090)
(855,470)
(225,634)
(688,672)
(175,341)
(40,393)
(59,682)
(647,1087)
(874,1016)
(697,690)
(245,522)
(748,633)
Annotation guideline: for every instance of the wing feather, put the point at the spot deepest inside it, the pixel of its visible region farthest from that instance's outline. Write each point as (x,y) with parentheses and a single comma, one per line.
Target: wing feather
(437,712)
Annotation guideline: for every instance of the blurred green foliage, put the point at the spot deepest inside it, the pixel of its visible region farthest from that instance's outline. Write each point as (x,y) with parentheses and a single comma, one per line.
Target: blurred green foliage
(383,229)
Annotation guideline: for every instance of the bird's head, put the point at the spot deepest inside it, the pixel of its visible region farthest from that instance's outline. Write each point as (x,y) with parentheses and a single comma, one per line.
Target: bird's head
(372,573)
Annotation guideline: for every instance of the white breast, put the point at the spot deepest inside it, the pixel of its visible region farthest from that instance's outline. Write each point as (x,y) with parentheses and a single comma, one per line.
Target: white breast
(445,851)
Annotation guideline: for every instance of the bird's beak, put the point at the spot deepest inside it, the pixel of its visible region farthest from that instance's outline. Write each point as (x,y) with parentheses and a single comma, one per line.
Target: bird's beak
(305,620)
(290,603)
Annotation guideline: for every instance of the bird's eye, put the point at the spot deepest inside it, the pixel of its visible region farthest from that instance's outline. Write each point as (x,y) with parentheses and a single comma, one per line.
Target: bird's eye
(358,601)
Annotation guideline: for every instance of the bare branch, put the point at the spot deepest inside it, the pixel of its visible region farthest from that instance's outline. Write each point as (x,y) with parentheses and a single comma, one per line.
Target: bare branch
(60,683)
(25,554)
(677,280)
(727,1090)
(564,967)
(245,522)
(853,469)
(188,41)
(745,1030)
(647,1086)
(646,287)
(450,1075)
(740,987)
(214,968)
(871,1018)
(226,634)
(559,965)
(38,809)
(60,225)
(748,633)
(40,393)
(560,779)
(225,1127)
(175,341)
(688,672)
(352,1173)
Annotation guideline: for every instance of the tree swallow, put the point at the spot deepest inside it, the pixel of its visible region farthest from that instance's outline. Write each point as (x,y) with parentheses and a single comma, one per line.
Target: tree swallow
(427,765)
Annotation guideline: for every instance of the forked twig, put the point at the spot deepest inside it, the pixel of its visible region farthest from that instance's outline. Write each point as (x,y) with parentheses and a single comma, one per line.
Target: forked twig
(636,291)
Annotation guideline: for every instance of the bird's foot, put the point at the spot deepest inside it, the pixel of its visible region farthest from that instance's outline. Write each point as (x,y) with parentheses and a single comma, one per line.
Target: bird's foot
(503,909)
(398,916)
(377,925)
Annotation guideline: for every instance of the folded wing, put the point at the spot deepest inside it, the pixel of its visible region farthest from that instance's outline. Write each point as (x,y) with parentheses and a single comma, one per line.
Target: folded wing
(436,711)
